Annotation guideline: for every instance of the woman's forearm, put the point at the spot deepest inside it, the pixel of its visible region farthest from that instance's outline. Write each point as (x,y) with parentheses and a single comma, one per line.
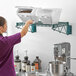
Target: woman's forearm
(25,28)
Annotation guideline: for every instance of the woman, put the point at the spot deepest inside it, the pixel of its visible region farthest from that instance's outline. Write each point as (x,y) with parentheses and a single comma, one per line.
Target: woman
(6,47)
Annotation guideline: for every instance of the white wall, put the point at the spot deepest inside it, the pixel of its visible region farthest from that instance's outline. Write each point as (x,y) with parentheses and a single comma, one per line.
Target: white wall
(41,43)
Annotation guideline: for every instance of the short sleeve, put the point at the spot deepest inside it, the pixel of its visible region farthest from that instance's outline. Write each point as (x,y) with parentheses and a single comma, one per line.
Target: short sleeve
(13,39)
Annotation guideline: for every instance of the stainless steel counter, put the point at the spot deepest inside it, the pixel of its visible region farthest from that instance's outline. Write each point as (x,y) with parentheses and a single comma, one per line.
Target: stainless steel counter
(36,74)
(25,74)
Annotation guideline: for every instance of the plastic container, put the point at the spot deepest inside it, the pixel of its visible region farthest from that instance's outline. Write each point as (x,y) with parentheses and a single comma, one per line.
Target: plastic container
(26,13)
(48,16)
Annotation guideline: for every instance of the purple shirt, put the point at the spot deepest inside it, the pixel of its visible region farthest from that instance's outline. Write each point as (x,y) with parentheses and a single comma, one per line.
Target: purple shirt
(6,54)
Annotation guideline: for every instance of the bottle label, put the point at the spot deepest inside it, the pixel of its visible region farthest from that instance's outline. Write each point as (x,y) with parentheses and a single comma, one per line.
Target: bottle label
(24,66)
(17,66)
(28,68)
(36,66)
(33,69)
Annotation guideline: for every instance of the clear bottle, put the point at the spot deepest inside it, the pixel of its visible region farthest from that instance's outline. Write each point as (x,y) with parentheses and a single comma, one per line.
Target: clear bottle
(32,68)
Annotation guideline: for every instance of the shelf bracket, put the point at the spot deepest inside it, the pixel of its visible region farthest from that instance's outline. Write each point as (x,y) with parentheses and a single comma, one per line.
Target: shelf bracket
(61,27)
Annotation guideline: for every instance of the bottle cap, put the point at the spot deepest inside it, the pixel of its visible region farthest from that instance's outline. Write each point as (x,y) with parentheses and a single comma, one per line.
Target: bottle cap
(37,57)
(17,56)
(26,57)
(33,64)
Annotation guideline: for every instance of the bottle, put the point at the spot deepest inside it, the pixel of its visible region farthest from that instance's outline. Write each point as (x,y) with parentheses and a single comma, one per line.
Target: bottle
(24,63)
(17,64)
(36,66)
(37,62)
(28,67)
(32,68)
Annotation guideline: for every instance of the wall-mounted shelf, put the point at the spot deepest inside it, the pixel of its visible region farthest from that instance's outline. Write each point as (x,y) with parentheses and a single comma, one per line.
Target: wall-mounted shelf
(61,27)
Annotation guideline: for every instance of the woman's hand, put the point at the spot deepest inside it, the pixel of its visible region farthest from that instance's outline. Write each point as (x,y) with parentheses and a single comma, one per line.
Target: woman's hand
(29,22)
(25,28)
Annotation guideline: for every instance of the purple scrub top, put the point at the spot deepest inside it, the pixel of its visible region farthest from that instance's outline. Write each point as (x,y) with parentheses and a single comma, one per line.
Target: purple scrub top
(6,54)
